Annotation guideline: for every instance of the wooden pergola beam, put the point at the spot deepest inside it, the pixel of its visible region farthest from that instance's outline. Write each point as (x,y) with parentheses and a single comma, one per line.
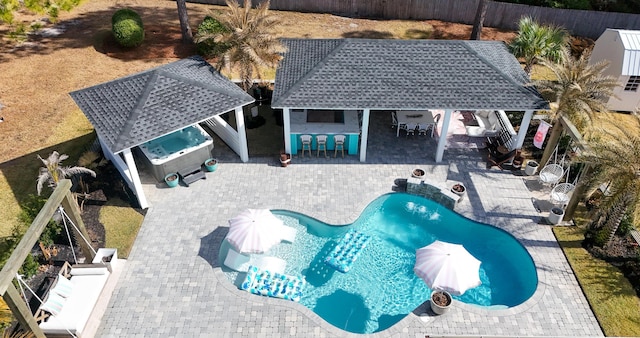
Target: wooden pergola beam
(61,196)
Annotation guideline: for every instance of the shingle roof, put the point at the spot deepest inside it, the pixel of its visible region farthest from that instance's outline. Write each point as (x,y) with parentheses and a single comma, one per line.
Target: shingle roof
(141,107)
(402,74)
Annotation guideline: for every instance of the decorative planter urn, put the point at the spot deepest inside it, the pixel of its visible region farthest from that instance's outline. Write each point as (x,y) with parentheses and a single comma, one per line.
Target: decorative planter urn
(532,167)
(556,215)
(285,159)
(459,189)
(172,180)
(440,301)
(418,173)
(211,164)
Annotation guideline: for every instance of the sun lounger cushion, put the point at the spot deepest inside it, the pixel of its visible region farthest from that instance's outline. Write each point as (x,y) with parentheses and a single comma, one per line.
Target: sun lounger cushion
(54,304)
(347,250)
(269,284)
(62,287)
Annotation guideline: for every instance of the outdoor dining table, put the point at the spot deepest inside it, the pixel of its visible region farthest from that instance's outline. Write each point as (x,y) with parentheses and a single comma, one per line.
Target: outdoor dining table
(419,117)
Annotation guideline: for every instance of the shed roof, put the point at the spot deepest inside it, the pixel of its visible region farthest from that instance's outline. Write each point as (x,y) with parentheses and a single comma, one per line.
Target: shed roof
(141,107)
(402,74)
(631,44)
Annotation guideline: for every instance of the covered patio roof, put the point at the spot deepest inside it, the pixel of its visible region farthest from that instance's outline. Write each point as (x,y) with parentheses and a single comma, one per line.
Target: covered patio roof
(138,108)
(402,75)
(132,110)
(381,74)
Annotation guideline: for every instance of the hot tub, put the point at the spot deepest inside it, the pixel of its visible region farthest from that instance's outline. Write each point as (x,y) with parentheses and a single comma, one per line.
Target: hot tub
(184,149)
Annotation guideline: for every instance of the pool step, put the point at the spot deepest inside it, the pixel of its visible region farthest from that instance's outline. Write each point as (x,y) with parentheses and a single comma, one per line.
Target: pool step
(191,175)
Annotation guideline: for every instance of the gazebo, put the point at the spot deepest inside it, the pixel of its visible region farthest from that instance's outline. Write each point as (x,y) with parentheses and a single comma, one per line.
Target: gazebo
(365,75)
(138,108)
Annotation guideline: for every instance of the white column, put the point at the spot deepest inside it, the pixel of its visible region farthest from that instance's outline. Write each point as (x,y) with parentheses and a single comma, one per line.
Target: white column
(242,135)
(524,125)
(135,178)
(286,122)
(442,141)
(364,135)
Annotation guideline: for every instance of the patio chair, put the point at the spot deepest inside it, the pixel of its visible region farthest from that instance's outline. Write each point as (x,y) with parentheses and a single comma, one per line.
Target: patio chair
(321,144)
(561,193)
(410,128)
(551,174)
(338,141)
(306,143)
(497,158)
(239,262)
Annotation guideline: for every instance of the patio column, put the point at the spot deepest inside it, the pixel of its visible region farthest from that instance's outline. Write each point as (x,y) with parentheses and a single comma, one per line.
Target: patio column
(242,135)
(364,135)
(286,123)
(524,125)
(135,178)
(442,141)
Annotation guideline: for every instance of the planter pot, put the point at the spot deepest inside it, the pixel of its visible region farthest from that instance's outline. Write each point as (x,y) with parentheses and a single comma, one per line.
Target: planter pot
(285,159)
(459,189)
(211,164)
(418,173)
(532,167)
(172,180)
(556,215)
(440,302)
(517,163)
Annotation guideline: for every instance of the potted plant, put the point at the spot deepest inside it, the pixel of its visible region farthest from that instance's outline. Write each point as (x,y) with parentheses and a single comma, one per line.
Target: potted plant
(418,173)
(517,162)
(285,159)
(532,167)
(211,164)
(440,301)
(459,189)
(556,215)
(172,180)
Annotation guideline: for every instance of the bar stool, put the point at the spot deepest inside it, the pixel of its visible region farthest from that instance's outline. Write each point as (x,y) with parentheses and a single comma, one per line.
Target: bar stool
(306,143)
(321,142)
(339,143)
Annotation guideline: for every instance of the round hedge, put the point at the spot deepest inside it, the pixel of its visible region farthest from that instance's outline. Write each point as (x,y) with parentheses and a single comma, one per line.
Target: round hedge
(209,48)
(127,28)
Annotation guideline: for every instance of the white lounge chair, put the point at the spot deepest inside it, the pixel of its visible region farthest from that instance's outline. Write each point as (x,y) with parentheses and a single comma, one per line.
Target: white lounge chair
(240,262)
(287,233)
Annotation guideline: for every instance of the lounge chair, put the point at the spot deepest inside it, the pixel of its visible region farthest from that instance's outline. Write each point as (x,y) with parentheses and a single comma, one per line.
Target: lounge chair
(497,158)
(287,233)
(240,262)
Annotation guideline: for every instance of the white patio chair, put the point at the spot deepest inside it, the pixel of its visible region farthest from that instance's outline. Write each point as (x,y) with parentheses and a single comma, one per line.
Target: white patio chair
(551,174)
(411,128)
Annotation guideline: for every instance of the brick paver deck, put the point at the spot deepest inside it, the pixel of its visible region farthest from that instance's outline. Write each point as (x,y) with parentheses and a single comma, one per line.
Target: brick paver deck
(173,284)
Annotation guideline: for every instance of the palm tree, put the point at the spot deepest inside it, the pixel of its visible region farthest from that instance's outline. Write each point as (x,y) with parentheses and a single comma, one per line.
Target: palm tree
(249,38)
(618,164)
(53,171)
(478,21)
(535,41)
(576,93)
(183,16)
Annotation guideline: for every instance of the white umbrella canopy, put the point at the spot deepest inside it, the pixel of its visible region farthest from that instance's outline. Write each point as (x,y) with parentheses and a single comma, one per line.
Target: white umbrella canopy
(254,231)
(449,267)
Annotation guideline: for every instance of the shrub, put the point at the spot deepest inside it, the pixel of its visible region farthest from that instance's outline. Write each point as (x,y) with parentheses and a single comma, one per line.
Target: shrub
(208,47)
(127,28)
(30,267)
(601,237)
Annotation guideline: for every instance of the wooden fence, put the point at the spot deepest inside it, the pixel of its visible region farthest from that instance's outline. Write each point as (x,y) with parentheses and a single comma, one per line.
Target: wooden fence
(499,14)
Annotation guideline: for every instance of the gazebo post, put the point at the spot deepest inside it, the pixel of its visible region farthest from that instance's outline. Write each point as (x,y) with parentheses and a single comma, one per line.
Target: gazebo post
(524,126)
(442,141)
(135,178)
(365,135)
(286,123)
(242,135)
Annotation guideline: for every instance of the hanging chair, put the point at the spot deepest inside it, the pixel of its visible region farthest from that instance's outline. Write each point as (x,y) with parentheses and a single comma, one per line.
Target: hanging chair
(552,172)
(561,193)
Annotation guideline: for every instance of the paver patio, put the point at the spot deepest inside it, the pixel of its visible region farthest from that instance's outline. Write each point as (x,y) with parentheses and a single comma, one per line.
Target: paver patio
(173,285)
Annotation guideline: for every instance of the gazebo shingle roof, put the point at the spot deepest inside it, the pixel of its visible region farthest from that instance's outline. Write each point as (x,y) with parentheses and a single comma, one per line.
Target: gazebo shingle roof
(402,74)
(141,107)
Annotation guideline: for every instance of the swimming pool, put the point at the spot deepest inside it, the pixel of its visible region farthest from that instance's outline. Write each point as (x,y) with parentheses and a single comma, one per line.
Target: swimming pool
(381,288)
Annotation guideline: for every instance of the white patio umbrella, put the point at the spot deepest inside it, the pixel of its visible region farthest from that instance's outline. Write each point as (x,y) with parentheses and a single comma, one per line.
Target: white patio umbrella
(446,266)
(254,231)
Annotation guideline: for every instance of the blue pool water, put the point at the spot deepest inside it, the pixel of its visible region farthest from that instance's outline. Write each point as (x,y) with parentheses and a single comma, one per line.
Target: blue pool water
(175,142)
(381,288)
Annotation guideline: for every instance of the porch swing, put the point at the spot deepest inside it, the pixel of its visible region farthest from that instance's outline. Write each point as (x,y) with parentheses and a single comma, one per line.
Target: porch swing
(561,193)
(66,308)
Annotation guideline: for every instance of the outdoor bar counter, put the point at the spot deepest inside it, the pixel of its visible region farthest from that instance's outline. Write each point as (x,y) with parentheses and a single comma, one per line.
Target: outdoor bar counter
(325,122)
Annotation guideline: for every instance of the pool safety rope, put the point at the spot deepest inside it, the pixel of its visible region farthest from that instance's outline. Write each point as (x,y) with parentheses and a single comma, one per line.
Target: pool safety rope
(347,250)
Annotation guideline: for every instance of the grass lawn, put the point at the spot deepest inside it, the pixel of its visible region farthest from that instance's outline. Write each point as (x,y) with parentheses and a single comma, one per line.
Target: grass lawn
(611,296)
